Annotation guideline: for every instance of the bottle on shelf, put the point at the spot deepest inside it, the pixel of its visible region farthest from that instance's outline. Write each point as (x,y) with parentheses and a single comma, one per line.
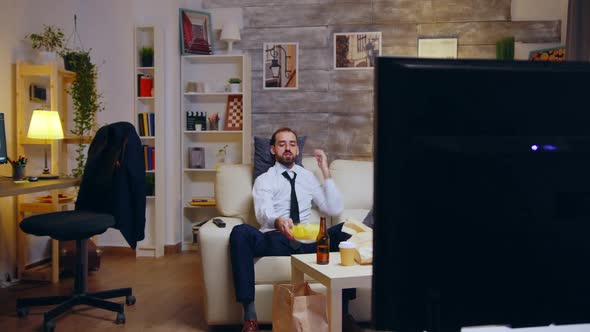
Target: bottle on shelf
(323,244)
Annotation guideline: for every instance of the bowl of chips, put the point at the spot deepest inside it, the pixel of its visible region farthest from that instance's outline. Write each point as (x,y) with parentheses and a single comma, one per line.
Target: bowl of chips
(305,233)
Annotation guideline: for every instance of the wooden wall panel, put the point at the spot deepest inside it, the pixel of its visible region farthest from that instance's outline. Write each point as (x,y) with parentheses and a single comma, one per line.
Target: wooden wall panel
(307,37)
(402,11)
(334,108)
(306,15)
(481,33)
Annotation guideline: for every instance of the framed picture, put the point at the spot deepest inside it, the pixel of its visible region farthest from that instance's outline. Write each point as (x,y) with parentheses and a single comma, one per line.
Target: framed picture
(233,113)
(196,35)
(280,66)
(556,54)
(440,48)
(356,50)
(196,157)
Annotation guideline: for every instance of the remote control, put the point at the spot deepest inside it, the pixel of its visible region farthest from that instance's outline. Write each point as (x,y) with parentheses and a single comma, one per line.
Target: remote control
(219,223)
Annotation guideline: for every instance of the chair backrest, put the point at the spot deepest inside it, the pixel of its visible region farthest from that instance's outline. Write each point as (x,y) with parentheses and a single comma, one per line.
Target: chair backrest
(114,179)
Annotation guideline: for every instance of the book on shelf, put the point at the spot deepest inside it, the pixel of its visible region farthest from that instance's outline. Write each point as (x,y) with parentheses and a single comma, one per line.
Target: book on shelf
(149,157)
(146,123)
(152,124)
(146,84)
(202,201)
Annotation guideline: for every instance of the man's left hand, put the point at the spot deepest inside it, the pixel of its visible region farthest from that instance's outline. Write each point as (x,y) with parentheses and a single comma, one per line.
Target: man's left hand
(322,160)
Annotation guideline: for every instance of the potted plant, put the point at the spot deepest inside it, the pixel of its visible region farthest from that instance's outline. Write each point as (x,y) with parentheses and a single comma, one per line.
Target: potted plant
(71,57)
(150,184)
(86,102)
(234,84)
(48,43)
(222,153)
(146,55)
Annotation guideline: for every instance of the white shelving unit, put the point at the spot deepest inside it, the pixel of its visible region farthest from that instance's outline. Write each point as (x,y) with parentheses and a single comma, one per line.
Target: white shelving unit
(151,36)
(211,73)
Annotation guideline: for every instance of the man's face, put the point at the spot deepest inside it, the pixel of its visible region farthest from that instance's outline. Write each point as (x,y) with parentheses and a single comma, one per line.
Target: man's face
(285,149)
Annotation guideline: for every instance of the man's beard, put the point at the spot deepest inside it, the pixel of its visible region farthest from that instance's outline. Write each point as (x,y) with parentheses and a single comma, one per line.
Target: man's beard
(286,161)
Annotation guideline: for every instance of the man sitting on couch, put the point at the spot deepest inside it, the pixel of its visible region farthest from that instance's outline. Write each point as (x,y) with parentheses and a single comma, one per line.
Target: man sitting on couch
(282,197)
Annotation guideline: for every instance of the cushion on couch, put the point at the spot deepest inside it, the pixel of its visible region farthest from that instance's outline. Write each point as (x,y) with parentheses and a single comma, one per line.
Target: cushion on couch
(233,192)
(354,179)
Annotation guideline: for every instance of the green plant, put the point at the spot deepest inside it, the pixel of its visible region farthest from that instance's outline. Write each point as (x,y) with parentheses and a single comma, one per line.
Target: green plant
(150,184)
(147,56)
(222,151)
(86,101)
(146,52)
(50,40)
(235,80)
(505,49)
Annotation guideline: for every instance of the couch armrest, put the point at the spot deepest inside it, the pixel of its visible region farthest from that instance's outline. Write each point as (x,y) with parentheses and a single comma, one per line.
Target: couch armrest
(220,301)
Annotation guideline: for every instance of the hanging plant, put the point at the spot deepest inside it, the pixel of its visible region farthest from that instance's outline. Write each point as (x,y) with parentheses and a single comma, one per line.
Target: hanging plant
(86,101)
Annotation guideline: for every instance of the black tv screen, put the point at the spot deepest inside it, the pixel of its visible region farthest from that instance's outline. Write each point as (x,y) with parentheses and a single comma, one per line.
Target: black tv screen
(482,194)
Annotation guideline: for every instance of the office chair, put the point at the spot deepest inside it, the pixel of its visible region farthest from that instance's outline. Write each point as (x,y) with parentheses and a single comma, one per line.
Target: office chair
(112,194)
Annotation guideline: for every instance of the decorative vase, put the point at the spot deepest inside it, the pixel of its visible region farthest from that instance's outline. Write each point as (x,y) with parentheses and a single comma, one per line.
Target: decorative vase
(235,87)
(147,61)
(44,57)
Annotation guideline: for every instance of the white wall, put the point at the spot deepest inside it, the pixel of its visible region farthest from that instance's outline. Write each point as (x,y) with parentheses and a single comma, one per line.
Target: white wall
(531,10)
(110,31)
(17,19)
(106,26)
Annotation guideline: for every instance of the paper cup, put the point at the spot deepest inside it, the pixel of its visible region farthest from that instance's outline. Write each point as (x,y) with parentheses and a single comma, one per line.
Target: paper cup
(347,251)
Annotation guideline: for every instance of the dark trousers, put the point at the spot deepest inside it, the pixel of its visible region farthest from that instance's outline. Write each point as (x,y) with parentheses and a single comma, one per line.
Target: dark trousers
(247,243)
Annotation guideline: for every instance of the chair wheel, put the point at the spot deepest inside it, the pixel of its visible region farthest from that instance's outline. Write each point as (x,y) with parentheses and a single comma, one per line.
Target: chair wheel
(130,300)
(49,326)
(22,312)
(120,318)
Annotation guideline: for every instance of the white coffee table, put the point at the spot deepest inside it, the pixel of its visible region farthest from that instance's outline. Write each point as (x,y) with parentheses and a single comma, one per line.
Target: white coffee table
(335,277)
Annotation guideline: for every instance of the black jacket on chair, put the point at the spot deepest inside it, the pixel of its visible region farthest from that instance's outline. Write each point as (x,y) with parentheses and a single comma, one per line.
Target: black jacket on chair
(115,164)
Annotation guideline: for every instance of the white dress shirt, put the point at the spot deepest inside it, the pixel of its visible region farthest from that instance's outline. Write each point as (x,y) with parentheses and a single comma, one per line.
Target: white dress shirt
(272,195)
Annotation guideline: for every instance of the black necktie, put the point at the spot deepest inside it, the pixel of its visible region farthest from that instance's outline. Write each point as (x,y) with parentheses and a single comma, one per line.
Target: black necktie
(294,209)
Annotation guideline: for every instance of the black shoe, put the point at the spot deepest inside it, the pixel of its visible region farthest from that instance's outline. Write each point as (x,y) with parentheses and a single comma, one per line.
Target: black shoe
(250,326)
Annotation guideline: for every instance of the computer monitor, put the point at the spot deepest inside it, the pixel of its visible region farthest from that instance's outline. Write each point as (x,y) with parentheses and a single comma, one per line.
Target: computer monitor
(482,194)
(3,152)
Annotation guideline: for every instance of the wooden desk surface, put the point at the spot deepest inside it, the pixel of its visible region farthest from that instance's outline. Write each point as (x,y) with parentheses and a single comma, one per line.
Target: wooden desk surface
(9,188)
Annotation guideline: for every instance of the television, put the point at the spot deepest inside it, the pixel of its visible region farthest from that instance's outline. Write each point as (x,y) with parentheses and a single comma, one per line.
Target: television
(3,151)
(482,194)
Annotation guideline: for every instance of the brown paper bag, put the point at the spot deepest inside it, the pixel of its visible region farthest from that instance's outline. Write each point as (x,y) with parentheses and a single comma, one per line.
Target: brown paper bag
(298,309)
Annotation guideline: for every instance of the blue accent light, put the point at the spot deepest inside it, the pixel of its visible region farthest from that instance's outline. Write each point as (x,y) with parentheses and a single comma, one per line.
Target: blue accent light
(534,147)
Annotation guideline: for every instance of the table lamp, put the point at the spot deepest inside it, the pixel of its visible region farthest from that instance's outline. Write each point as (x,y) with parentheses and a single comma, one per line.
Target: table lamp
(45,125)
(230,33)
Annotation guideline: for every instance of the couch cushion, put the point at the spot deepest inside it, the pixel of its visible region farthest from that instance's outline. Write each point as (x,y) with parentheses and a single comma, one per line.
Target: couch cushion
(354,179)
(233,192)
(352,215)
(263,159)
(310,164)
(273,269)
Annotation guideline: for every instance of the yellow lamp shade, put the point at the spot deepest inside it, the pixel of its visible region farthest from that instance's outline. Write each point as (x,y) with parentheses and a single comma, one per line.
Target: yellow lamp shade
(45,125)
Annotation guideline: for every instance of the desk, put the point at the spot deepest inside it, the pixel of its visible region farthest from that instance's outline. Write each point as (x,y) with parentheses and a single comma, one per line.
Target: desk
(9,188)
(335,277)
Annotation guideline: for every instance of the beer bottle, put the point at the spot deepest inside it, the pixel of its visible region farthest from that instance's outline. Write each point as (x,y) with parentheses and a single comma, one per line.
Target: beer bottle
(323,244)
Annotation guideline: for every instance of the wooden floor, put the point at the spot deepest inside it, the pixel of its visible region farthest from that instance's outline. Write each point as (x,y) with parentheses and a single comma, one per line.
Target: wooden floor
(168,292)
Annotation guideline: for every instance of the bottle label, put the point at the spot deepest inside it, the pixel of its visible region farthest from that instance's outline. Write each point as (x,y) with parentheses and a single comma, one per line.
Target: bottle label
(323,249)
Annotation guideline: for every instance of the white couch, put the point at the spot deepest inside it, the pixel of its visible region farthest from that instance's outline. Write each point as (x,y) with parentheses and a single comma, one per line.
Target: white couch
(233,189)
